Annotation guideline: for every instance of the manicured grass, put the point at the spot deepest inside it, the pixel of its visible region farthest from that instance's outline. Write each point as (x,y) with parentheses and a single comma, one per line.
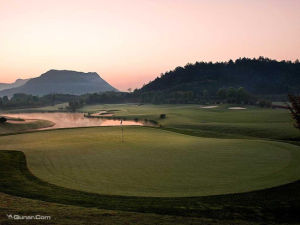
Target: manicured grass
(12,128)
(154,162)
(280,204)
(217,122)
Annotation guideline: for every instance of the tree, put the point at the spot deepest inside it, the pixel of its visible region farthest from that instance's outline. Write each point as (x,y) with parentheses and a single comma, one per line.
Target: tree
(241,96)
(222,92)
(231,95)
(74,105)
(205,95)
(5,100)
(52,97)
(295,109)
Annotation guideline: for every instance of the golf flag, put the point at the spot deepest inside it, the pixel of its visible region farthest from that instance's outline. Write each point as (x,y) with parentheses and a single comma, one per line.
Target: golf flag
(121,122)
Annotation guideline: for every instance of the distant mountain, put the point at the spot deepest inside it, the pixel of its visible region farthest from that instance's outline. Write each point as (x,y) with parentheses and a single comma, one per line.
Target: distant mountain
(17,83)
(62,82)
(260,76)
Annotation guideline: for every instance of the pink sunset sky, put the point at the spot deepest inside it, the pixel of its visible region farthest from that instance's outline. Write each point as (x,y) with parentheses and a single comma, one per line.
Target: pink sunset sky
(130,42)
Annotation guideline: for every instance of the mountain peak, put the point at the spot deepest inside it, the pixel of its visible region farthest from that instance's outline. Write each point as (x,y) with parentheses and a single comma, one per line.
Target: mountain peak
(17,83)
(62,82)
(68,72)
(67,76)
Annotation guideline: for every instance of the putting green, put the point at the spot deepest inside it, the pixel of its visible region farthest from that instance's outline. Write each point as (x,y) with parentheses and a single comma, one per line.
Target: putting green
(153,162)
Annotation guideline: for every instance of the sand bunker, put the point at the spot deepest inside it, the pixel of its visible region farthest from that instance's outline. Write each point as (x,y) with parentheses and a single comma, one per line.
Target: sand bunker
(102,113)
(20,121)
(236,108)
(106,114)
(209,107)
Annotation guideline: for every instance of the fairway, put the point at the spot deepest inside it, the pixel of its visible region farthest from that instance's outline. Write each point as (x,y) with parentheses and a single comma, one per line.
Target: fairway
(154,162)
(212,122)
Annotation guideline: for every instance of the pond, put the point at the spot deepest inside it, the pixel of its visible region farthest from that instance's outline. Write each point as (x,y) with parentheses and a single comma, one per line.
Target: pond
(69,120)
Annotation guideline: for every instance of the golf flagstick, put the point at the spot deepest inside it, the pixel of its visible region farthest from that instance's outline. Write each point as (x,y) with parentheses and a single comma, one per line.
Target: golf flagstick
(122,130)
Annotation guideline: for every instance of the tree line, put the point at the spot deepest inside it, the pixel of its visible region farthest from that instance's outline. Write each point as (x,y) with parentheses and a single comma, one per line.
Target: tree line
(222,95)
(261,76)
(28,101)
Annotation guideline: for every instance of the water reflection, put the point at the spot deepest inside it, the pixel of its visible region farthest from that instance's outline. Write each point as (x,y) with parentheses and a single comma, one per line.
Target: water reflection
(68,120)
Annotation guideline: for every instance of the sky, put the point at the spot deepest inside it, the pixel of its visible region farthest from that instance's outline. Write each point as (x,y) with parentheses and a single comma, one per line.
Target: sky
(130,42)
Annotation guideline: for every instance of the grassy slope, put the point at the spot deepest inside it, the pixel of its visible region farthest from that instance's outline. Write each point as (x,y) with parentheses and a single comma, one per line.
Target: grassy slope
(157,162)
(12,128)
(66,214)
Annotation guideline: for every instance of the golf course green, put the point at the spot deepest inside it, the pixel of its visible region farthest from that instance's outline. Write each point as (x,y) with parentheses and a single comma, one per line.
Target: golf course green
(197,161)
(154,162)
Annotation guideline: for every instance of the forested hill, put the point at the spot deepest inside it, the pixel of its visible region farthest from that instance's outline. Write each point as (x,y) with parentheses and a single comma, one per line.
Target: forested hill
(260,76)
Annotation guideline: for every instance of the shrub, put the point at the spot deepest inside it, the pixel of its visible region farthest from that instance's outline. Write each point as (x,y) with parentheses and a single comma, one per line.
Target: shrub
(162,116)
(3,119)
(295,109)
(264,103)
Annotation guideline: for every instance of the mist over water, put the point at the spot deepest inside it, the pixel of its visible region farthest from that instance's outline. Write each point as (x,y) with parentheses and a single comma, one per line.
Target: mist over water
(69,120)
